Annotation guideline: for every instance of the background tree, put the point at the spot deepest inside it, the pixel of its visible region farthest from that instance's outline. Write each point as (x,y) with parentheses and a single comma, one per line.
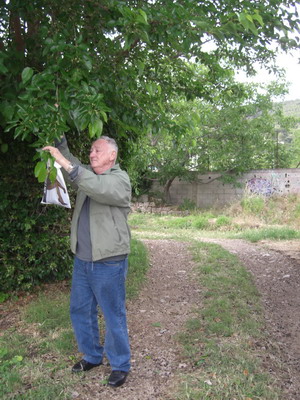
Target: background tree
(237,132)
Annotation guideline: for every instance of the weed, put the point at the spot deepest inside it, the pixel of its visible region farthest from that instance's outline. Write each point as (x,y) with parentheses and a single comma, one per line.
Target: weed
(200,222)
(253,205)
(187,205)
(223,220)
(9,371)
(3,297)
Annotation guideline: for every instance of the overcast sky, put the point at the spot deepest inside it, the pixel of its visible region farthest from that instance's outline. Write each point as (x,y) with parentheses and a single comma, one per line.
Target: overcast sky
(292,67)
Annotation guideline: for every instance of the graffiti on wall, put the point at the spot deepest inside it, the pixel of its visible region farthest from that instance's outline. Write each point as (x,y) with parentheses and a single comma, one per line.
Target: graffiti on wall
(263,186)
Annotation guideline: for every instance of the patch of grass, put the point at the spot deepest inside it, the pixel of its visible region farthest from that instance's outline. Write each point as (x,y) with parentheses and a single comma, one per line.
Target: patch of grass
(138,219)
(223,220)
(3,297)
(138,266)
(275,210)
(201,222)
(296,211)
(63,343)
(273,233)
(50,313)
(10,377)
(219,340)
(33,363)
(178,222)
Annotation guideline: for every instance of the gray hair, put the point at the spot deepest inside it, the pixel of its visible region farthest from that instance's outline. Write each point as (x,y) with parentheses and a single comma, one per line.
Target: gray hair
(111,142)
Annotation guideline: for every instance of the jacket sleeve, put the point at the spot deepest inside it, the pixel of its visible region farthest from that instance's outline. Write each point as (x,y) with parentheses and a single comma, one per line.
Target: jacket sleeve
(64,149)
(110,188)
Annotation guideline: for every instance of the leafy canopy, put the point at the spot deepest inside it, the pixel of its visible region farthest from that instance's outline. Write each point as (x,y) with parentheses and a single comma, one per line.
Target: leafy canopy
(112,66)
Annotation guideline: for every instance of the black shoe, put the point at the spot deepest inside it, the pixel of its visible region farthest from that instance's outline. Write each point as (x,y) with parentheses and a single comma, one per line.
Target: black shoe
(117,378)
(84,366)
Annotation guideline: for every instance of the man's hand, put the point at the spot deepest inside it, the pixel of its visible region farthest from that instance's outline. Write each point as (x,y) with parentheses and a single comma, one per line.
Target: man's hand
(59,158)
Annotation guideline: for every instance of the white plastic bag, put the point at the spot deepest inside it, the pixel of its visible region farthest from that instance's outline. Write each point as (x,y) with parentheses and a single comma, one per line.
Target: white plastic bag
(56,192)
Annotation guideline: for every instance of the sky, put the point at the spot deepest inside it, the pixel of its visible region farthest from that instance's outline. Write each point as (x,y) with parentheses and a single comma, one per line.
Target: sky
(290,62)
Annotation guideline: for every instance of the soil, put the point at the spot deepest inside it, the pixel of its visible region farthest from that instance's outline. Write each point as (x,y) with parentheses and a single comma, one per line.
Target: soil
(167,302)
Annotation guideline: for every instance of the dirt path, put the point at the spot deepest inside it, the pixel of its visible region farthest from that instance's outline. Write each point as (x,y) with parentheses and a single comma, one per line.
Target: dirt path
(154,319)
(275,267)
(166,303)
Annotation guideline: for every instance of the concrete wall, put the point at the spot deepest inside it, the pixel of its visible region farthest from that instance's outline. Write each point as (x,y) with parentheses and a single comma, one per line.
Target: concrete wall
(208,191)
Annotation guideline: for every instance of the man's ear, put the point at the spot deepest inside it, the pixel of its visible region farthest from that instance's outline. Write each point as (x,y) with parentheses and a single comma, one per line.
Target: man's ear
(113,155)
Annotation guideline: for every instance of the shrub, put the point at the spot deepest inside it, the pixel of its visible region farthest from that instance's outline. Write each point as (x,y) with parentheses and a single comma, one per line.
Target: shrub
(34,258)
(34,239)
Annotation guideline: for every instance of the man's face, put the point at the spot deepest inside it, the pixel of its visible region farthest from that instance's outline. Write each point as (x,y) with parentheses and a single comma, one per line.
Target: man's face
(102,156)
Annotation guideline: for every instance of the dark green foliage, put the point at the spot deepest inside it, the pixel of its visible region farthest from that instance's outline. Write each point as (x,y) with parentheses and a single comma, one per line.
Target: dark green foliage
(34,240)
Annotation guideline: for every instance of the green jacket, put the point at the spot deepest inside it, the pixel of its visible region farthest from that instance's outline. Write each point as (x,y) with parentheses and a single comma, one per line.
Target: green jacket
(110,195)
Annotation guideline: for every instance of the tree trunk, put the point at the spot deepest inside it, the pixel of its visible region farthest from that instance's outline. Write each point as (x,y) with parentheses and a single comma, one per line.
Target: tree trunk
(167,196)
(16,30)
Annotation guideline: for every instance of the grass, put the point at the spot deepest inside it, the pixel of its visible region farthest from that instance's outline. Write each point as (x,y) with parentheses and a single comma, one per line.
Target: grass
(138,266)
(272,233)
(253,219)
(45,341)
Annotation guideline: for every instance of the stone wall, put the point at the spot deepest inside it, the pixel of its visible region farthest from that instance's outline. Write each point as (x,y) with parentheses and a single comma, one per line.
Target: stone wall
(208,191)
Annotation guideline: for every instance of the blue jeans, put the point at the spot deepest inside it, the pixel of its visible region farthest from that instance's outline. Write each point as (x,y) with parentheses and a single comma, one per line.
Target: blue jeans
(103,284)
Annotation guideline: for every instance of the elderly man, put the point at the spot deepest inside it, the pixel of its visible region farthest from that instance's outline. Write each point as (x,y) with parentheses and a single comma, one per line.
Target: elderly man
(100,240)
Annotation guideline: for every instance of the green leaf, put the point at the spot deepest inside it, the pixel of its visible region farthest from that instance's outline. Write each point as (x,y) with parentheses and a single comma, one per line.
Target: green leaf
(18,131)
(4,147)
(258,18)
(7,111)
(3,69)
(104,115)
(88,64)
(95,128)
(53,174)
(144,17)
(141,67)
(40,171)
(27,74)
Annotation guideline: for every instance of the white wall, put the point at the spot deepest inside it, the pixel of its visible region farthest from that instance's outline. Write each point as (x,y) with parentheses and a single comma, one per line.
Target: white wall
(207,191)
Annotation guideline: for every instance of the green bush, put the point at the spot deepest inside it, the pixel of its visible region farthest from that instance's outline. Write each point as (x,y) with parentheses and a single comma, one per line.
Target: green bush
(33,258)
(34,238)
